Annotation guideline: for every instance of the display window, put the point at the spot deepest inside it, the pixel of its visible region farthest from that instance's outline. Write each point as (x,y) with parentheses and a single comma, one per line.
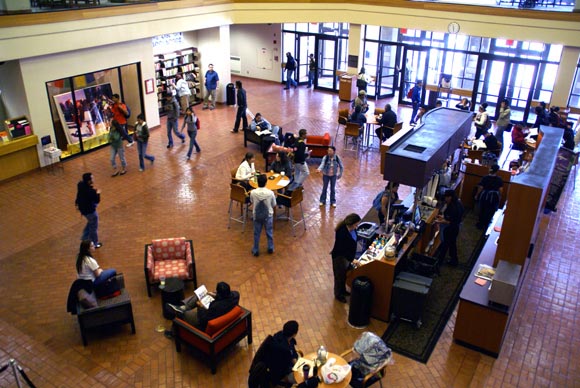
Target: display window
(81,106)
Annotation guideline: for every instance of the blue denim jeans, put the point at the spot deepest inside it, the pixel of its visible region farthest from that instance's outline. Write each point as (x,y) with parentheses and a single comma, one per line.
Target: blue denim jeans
(269,225)
(301,172)
(311,75)
(290,78)
(415,110)
(142,149)
(172,125)
(105,275)
(121,152)
(325,180)
(192,135)
(90,232)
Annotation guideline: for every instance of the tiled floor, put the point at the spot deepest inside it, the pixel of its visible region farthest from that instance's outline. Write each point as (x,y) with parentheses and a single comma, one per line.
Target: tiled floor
(40,228)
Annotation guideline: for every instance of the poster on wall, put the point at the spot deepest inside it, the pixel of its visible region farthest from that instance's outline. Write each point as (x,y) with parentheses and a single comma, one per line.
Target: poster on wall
(90,111)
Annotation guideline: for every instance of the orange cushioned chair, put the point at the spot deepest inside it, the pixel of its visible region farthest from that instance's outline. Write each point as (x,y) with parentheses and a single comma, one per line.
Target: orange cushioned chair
(220,334)
(169,257)
(318,145)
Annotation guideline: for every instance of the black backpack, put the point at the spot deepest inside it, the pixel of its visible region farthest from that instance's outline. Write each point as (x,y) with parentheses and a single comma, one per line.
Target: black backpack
(261,212)
(128,111)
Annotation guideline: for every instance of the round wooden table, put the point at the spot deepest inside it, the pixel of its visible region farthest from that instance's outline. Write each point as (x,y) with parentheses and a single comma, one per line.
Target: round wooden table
(299,375)
(272,184)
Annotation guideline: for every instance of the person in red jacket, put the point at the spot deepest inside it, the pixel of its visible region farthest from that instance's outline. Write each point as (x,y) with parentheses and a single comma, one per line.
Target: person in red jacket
(120,113)
(518,138)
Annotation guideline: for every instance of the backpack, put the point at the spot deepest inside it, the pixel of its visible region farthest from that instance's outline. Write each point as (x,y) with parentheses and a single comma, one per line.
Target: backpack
(410,92)
(261,212)
(378,199)
(361,83)
(128,112)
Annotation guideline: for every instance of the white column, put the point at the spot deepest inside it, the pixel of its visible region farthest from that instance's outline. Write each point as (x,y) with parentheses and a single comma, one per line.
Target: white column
(565,76)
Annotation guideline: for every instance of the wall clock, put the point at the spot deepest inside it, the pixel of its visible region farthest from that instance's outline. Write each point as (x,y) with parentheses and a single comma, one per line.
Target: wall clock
(453,28)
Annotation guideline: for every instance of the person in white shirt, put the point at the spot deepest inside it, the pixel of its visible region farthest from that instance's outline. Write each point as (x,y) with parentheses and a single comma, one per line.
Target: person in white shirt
(267,197)
(87,266)
(184,92)
(246,170)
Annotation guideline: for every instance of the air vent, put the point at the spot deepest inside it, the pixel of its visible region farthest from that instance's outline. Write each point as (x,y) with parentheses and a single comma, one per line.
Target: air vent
(414,148)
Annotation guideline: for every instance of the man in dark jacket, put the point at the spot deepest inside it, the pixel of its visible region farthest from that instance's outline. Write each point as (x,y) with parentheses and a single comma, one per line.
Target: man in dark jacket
(290,67)
(225,300)
(449,223)
(488,195)
(242,107)
(86,202)
(387,123)
(282,354)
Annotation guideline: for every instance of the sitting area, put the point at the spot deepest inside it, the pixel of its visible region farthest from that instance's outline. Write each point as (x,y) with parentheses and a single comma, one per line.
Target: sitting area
(221,333)
(318,145)
(111,311)
(263,141)
(170,258)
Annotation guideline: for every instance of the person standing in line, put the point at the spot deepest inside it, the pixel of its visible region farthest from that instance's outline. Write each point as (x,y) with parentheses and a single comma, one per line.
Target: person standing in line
(301,170)
(416,100)
(120,113)
(449,222)
(290,68)
(488,195)
(311,70)
(503,121)
(262,196)
(362,80)
(211,83)
(242,107)
(142,135)
(343,253)
(183,90)
(464,104)
(480,120)
(88,197)
(116,141)
(331,168)
(172,109)
(192,122)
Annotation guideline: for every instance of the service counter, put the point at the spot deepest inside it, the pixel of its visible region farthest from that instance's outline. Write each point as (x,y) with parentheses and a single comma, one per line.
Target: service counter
(18,156)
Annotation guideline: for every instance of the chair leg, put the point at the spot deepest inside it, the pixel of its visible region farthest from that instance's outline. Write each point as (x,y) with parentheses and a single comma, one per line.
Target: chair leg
(230,214)
(244,216)
(303,219)
(291,218)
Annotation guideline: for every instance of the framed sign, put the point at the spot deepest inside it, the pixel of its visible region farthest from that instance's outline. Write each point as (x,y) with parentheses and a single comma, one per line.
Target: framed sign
(149,86)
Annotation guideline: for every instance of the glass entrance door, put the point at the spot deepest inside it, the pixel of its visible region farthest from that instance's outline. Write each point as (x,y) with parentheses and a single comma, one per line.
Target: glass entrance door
(501,78)
(327,54)
(306,46)
(388,71)
(416,61)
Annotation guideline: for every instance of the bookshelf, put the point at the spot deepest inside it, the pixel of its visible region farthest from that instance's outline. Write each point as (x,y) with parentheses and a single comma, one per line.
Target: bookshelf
(168,65)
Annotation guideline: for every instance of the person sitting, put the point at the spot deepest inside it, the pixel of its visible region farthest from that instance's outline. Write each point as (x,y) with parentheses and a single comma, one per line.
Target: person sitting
(480,120)
(491,142)
(259,123)
(387,122)
(358,117)
(463,104)
(224,301)
(518,138)
(282,165)
(279,354)
(373,354)
(246,170)
(88,268)
(361,100)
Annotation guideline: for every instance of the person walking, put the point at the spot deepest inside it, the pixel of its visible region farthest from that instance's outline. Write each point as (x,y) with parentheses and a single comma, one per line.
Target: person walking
(183,90)
(416,100)
(343,253)
(331,168)
(116,141)
(211,83)
(87,200)
(290,68)
(263,202)
(172,109)
(242,107)
(192,122)
(142,135)
(311,70)
(503,121)
(120,112)
(449,223)
(301,170)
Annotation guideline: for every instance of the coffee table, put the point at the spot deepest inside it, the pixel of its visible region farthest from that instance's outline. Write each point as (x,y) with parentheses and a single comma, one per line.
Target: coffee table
(171,293)
(299,375)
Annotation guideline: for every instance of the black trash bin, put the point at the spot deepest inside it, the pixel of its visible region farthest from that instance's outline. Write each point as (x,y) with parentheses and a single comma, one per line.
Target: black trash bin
(230,94)
(361,300)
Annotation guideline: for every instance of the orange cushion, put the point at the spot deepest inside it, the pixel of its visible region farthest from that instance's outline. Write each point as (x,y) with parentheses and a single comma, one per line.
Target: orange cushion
(321,140)
(216,325)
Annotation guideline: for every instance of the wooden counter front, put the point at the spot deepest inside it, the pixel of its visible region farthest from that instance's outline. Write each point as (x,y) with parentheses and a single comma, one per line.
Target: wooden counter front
(18,156)
(347,90)
(382,276)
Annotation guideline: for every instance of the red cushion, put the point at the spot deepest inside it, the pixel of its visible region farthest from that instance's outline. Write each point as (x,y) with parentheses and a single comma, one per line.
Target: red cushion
(216,325)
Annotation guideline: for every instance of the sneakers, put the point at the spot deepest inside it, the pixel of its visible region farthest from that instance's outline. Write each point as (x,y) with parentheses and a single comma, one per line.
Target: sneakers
(205,107)
(256,254)
(130,144)
(123,172)
(98,245)
(233,131)
(333,204)
(115,173)
(212,108)
(322,204)
(177,309)
(141,170)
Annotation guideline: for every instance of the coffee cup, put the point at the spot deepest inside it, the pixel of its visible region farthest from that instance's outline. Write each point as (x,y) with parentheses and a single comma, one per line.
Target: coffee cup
(282,173)
(306,371)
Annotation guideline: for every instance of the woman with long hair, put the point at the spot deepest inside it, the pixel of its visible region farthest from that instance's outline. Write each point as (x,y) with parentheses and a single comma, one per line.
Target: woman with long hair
(246,170)
(282,164)
(116,141)
(343,253)
(87,266)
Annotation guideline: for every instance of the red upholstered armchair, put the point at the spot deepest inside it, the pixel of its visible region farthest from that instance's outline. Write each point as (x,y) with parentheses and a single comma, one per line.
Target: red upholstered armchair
(220,334)
(169,257)
(318,145)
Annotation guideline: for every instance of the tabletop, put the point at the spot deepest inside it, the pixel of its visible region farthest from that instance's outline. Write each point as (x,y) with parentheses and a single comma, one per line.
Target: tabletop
(278,182)
(299,376)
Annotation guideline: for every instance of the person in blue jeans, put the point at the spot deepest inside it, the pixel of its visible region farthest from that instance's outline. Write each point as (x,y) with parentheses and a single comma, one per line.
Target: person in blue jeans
(172,108)
(290,68)
(311,70)
(331,168)
(87,266)
(192,122)
(416,100)
(142,135)
(86,202)
(267,197)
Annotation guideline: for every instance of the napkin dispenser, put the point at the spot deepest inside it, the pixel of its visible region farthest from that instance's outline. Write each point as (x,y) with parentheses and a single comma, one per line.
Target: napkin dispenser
(504,283)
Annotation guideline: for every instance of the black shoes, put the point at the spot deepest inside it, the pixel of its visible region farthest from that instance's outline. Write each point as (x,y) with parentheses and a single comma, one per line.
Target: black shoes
(453,263)
(270,251)
(168,334)
(340,298)
(256,254)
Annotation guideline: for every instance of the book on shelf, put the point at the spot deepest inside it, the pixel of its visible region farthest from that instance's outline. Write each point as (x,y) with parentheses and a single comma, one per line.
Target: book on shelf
(203,295)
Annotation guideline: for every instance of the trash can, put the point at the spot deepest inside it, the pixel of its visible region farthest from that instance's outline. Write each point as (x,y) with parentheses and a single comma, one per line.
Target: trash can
(361,300)
(230,94)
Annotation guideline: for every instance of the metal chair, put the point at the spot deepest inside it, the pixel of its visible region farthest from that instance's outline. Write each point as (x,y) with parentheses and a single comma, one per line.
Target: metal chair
(342,120)
(290,202)
(370,378)
(352,130)
(240,195)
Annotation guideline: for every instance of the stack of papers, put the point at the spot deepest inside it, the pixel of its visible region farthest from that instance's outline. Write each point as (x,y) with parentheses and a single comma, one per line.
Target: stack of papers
(204,297)
(265,132)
